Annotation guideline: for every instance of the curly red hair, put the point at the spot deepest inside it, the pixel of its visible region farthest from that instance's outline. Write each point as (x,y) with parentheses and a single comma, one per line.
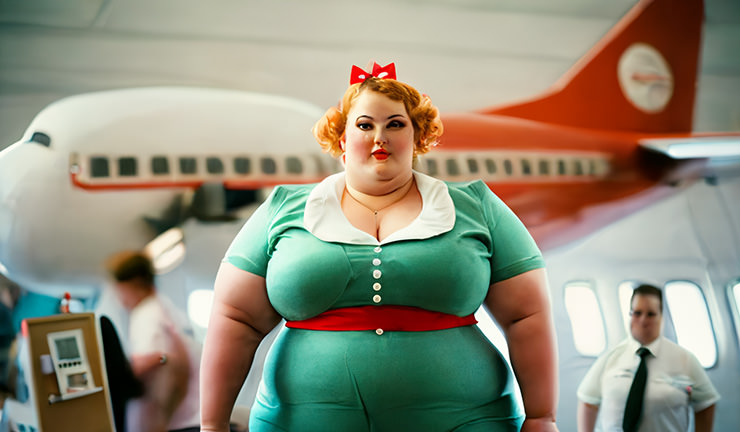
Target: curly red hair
(424,116)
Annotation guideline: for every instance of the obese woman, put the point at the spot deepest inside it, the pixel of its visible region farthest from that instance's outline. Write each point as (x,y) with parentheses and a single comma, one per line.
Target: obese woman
(377,271)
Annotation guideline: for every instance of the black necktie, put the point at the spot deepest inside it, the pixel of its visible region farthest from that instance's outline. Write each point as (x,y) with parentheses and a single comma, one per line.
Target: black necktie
(633,408)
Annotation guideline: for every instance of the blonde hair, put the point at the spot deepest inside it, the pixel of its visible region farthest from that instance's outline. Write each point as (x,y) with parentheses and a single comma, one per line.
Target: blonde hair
(424,116)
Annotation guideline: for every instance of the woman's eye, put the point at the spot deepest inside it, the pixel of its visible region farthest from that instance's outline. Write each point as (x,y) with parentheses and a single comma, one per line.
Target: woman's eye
(364,126)
(396,124)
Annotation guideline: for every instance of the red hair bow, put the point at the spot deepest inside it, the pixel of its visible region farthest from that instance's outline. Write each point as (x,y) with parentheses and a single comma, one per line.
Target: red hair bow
(383,72)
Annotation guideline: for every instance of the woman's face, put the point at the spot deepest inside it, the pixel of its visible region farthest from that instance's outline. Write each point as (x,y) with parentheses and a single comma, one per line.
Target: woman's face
(378,143)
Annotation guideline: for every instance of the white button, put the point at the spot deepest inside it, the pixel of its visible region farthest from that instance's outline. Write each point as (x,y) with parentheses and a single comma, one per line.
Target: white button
(377,274)
(379,332)
(377,249)
(376,262)
(376,298)
(376,286)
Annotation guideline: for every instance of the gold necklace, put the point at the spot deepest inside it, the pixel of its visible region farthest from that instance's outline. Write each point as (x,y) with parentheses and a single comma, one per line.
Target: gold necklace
(376,211)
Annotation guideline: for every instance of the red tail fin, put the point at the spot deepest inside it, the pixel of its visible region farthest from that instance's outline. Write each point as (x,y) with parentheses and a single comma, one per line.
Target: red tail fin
(640,77)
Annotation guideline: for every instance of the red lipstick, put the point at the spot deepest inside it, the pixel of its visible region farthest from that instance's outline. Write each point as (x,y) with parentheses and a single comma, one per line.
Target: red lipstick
(380,154)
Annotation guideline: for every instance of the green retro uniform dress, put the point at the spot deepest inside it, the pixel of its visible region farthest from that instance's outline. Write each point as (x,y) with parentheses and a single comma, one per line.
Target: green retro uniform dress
(313,259)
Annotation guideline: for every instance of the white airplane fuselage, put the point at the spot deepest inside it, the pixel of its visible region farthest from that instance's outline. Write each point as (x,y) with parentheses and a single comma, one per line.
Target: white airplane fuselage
(40,204)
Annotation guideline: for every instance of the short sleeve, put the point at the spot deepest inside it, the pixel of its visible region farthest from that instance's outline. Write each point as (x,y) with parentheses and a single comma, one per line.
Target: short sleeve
(147,328)
(250,249)
(589,391)
(703,393)
(514,250)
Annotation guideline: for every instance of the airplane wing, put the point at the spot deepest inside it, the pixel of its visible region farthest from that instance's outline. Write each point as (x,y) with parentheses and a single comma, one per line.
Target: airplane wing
(708,146)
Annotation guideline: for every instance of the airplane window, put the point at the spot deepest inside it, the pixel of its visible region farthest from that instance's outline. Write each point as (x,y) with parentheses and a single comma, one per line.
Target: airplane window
(544,167)
(242,165)
(691,320)
(735,300)
(199,306)
(293,165)
(472,166)
(578,164)
(585,315)
(508,168)
(625,294)
(126,166)
(268,166)
(452,167)
(188,165)
(432,169)
(491,166)
(99,167)
(591,167)
(214,165)
(526,167)
(41,138)
(160,165)
(561,167)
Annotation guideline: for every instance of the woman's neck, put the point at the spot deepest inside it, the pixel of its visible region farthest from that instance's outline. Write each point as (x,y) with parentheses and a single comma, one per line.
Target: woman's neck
(377,203)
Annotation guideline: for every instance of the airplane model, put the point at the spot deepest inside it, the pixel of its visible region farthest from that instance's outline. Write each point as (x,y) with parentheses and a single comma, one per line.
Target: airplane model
(164,167)
(130,160)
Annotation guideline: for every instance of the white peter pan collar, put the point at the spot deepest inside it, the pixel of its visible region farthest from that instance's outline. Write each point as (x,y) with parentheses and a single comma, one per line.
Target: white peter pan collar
(323,216)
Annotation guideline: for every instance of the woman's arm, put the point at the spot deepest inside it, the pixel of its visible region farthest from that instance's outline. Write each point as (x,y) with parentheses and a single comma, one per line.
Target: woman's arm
(240,319)
(521,306)
(587,415)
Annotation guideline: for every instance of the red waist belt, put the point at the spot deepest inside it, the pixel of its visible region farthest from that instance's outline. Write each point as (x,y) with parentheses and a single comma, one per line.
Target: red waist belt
(387,318)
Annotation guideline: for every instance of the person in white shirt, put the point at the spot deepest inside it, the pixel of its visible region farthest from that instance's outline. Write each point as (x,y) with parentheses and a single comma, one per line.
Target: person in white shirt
(163,356)
(676,381)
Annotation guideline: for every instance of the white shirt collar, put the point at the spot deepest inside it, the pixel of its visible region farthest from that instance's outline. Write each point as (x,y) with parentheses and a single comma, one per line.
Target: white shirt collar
(323,216)
(653,346)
